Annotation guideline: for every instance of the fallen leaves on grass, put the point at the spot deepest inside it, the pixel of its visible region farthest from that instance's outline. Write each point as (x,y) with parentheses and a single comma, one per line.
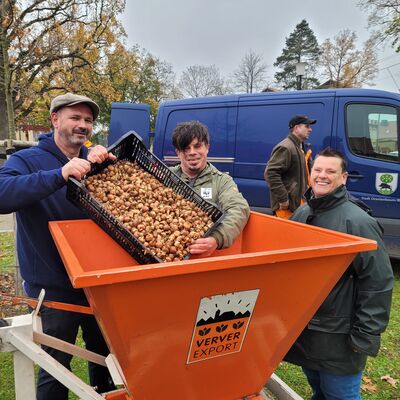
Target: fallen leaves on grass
(7,286)
(390,380)
(368,386)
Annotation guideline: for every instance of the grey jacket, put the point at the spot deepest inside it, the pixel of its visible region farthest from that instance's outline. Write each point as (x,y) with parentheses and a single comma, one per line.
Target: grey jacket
(219,188)
(347,326)
(286,173)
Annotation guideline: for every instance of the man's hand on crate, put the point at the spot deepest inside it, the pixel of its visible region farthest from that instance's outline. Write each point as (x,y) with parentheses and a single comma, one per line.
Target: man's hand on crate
(76,167)
(204,246)
(98,154)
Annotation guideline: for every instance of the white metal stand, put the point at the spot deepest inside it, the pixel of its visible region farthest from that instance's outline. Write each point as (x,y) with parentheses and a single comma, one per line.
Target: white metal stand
(22,337)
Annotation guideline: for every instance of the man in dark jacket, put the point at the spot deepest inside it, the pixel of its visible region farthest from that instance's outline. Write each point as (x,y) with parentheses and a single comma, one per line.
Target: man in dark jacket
(33,184)
(333,348)
(287,169)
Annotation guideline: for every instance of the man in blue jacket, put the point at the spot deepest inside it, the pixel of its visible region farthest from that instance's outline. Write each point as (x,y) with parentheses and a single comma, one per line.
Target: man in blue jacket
(33,184)
(346,329)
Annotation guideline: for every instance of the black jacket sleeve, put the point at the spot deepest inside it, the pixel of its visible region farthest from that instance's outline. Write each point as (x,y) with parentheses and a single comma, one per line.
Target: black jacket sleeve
(374,284)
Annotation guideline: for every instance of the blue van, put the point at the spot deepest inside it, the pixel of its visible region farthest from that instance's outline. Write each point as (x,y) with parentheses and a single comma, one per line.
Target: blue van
(363,124)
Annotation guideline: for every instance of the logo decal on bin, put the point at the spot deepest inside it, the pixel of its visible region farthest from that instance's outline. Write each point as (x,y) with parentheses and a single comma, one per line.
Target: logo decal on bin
(221,324)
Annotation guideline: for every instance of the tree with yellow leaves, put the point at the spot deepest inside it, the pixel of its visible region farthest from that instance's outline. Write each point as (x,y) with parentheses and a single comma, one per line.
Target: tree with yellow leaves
(345,66)
(41,42)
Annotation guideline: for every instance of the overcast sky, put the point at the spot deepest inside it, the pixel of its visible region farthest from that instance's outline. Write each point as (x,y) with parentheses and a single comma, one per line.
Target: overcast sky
(221,32)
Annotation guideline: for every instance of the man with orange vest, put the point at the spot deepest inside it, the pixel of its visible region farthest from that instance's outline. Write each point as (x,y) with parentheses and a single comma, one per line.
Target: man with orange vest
(287,171)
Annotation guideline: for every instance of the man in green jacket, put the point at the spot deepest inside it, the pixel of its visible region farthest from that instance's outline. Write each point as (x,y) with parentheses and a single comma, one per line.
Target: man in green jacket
(333,348)
(191,142)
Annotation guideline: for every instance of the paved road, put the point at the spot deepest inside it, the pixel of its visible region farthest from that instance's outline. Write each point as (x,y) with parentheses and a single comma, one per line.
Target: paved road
(6,223)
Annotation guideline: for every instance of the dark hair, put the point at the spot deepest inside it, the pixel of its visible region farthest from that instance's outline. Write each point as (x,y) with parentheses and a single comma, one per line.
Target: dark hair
(185,132)
(328,152)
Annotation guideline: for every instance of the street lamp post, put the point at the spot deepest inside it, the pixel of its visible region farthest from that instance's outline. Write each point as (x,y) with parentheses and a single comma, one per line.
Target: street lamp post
(300,71)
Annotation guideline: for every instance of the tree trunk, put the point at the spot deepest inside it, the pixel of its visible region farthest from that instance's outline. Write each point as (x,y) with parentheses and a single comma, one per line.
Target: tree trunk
(3,103)
(8,95)
(3,115)
(7,125)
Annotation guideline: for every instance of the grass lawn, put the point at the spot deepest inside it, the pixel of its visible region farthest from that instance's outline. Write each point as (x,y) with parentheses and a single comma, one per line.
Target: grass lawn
(7,256)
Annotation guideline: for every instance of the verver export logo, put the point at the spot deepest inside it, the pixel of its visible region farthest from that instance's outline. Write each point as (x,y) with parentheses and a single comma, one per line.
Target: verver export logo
(221,324)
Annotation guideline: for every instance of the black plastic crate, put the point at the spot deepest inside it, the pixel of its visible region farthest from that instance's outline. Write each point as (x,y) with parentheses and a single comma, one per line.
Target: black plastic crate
(131,148)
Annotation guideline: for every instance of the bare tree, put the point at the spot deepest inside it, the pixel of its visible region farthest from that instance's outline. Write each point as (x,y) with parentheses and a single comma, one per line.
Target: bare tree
(384,15)
(250,75)
(200,80)
(344,65)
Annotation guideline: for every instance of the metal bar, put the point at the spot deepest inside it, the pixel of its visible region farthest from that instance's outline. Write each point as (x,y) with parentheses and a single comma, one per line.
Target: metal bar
(24,377)
(69,348)
(50,304)
(115,370)
(281,390)
(264,395)
(58,371)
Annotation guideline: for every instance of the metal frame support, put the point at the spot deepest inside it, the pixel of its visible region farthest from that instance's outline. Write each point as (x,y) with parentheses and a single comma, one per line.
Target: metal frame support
(281,390)
(18,338)
(24,372)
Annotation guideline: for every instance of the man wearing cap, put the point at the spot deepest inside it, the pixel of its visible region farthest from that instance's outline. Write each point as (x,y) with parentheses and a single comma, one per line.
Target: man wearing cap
(33,184)
(287,169)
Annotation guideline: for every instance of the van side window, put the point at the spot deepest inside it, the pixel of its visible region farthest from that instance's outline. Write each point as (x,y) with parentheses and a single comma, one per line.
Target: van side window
(373,131)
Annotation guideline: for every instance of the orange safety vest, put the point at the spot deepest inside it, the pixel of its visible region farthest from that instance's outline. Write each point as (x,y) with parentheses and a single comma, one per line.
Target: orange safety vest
(307,157)
(285,214)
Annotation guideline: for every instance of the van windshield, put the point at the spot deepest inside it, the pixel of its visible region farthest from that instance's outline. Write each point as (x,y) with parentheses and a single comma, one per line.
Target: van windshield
(373,131)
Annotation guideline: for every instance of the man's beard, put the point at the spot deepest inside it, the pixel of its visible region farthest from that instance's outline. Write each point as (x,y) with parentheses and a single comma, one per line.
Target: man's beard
(74,140)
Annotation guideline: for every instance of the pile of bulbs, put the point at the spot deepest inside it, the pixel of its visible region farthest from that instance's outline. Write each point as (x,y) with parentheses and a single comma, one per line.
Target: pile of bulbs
(163,221)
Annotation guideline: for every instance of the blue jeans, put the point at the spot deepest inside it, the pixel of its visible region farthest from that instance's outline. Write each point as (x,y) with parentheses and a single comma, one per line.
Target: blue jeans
(333,387)
(65,325)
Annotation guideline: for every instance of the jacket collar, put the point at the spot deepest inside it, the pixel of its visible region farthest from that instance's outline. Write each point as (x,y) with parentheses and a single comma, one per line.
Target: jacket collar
(331,200)
(207,169)
(295,140)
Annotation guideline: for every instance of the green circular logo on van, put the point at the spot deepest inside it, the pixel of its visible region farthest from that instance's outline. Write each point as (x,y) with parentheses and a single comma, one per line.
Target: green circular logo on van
(385,184)
(386,178)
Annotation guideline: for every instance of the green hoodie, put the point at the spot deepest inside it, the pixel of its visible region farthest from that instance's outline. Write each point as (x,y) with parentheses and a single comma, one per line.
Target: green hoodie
(219,188)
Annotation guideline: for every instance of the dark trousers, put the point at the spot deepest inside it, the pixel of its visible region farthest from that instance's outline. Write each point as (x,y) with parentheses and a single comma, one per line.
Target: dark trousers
(333,387)
(64,325)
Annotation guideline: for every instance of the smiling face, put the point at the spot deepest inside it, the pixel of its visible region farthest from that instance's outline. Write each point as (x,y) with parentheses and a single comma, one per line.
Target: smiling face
(72,127)
(327,175)
(193,158)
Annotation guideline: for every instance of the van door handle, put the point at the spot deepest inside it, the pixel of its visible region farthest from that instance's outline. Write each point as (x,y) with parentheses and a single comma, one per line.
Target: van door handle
(356,176)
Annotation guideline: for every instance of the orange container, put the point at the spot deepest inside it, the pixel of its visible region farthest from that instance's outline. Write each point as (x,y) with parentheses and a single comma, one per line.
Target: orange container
(206,328)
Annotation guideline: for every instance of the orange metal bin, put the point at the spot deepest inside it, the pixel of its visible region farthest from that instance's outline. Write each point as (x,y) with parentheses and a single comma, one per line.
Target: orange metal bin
(206,328)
